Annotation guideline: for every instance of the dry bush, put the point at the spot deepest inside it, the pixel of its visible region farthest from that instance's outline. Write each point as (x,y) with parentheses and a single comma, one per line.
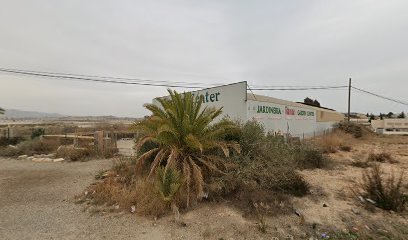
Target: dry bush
(124,188)
(4,142)
(387,192)
(345,148)
(9,151)
(149,201)
(75,154)
(142,194)
(361,164)
(31,147)
(381,157)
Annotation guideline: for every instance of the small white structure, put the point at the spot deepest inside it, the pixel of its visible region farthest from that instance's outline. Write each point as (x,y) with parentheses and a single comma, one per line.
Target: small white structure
(276,115)
(390,126)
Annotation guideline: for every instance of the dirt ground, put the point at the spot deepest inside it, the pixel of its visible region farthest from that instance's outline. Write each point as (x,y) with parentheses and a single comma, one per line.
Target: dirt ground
(37,202)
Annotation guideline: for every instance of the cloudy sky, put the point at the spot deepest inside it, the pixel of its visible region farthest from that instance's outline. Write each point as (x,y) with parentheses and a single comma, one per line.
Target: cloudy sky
(263,42)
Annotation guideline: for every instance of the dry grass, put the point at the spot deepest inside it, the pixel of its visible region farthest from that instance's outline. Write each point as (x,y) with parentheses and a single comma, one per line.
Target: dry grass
(142,195)
(334,141)
(123,188)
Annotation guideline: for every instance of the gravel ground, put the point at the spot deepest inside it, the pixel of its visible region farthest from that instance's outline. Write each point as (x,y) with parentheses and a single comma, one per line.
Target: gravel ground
(36,202)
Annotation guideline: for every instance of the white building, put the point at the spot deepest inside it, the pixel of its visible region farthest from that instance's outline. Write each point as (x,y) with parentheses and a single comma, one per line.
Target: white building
(390,126)
(276,115)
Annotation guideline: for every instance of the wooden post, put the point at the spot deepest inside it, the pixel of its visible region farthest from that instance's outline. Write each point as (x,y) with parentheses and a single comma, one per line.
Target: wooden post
(349,101)
(99,143)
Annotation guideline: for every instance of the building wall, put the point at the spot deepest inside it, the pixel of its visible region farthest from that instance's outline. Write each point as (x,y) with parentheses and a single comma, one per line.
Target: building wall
(276,115)
(282,118)
(390,126)
(232,98)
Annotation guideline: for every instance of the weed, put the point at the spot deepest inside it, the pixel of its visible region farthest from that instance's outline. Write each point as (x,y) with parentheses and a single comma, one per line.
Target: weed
(345,148)
(361,164)
(340,236)
(99,174)
(262,225)
(381,157)
(387,193)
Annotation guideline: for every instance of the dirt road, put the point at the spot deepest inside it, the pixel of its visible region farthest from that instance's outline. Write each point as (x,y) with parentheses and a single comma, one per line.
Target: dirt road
(36,202)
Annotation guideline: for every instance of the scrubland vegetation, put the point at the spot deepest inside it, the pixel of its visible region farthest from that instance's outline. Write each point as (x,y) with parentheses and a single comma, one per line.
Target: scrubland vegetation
(17,146)
(184,160)
(238,162)
(260,174)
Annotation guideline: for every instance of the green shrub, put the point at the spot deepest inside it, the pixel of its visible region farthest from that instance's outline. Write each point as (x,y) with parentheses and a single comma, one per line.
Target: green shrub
(252,134)
(38,132)
(351,128)
(307,157)
(266,166)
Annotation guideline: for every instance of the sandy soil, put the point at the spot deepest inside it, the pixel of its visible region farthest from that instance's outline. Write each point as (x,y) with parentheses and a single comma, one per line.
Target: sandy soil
(37,202)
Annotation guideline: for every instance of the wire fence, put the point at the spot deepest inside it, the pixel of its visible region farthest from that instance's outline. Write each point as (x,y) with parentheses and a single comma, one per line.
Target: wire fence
(308,135)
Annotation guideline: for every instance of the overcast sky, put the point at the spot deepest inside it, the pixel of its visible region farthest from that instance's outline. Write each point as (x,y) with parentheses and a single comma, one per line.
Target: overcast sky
(263,42)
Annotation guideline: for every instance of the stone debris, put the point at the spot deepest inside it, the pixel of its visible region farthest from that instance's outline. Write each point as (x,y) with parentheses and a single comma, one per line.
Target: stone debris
(51,155)
(132,209)
(58,160)
(371,201)
(42,159)
(355,211)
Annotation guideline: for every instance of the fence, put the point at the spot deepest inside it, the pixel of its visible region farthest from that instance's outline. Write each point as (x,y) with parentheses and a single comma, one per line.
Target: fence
(308,135)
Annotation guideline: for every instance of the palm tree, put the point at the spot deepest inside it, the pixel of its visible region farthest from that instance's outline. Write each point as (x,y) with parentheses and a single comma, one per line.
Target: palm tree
(184,139)
(2,110)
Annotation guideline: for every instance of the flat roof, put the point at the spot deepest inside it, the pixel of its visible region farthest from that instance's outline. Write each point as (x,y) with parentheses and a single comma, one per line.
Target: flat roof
(261,98)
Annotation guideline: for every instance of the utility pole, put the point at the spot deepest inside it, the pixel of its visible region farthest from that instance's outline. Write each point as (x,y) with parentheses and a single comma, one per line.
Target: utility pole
(349,101)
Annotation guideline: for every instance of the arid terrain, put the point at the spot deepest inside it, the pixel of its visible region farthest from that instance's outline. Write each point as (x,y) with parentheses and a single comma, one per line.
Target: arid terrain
(37,201)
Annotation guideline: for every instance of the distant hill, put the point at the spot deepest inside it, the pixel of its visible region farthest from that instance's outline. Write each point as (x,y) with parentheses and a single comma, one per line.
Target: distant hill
(18,114)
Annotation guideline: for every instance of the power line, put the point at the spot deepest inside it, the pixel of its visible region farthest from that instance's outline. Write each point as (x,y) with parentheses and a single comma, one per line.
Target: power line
(78,78)
(293,88)
(380,96)
(150,82)
(103,77)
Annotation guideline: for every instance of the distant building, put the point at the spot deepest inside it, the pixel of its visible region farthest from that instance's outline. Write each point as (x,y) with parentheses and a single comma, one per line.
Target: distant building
(390,126)
(276,115)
